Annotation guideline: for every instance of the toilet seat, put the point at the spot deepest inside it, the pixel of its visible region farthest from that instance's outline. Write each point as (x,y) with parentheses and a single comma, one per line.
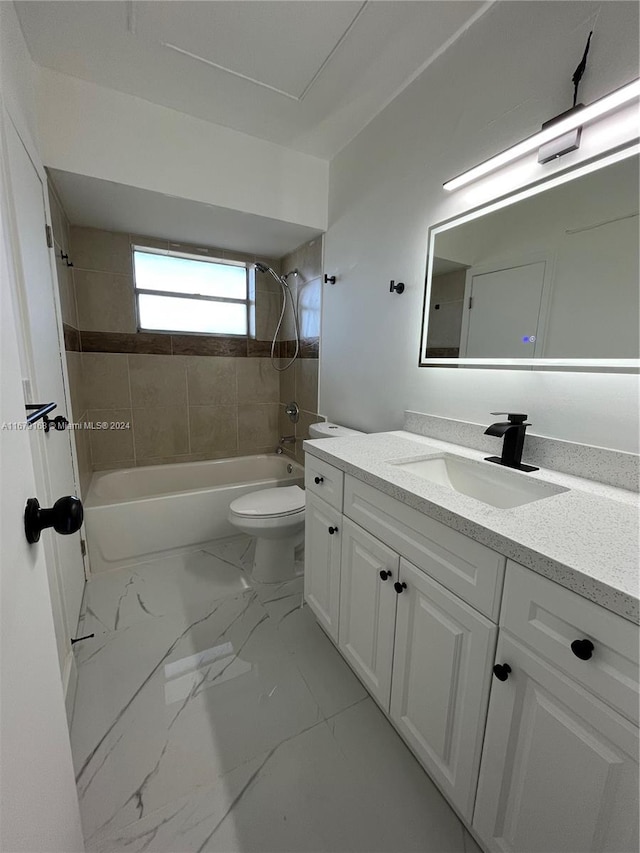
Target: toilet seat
(270,503)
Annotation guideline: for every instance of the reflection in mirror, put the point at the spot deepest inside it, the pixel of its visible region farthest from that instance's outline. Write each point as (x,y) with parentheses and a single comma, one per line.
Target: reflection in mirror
(553,276)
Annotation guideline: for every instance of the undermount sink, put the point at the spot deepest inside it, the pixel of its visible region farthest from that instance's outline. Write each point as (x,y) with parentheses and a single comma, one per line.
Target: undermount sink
(483,481)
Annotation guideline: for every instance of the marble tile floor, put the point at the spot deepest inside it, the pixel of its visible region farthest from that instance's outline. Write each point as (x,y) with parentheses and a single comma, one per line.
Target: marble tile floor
(213,714)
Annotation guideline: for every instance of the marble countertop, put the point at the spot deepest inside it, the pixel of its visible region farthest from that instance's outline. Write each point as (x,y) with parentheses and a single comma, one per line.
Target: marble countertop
(585,539)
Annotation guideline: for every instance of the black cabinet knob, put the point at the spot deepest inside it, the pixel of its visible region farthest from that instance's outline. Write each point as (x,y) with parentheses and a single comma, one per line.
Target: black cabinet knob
(333,530)
(399,586)
(582,649)
(384,575)
(65,516)
(501,671)
(318,480)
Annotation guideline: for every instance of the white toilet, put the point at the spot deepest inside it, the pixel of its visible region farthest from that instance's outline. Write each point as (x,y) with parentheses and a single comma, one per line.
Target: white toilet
(276,518)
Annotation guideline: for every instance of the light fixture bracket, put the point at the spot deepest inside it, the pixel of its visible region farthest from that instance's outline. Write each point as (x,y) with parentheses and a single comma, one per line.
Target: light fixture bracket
(569,141)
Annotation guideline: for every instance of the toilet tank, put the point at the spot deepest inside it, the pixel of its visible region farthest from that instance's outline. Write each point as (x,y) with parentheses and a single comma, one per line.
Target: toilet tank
(328,430)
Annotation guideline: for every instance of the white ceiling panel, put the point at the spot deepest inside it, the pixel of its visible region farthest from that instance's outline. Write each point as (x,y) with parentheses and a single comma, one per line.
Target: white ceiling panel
(281,45)
(94,203)
(306,74)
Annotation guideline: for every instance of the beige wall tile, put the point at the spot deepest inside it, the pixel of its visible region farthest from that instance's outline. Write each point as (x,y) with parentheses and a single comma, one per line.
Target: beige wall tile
(76,384)
(302,432)
(307,383)
(213,429)
(257,426)
(111,445)
(113,466)
(267,313)
(57,216)
(287,383)
(147,242)
(66,289)
(157,380)
(257,381)
(160,431)
(310,308)
(184,457)
(285,427)
(265,282)
(103,251)
(211,381)
(83,454)
(105,302)
(105,380)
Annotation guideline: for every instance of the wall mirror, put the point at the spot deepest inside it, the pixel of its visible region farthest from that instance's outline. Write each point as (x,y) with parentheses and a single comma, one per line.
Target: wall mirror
(544,278)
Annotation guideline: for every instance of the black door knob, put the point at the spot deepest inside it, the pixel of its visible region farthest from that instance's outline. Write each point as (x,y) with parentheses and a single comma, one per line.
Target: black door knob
(333,530)
(501,671)
(399,586)
(384,575)
(582,649)
(65,516)
(318,480)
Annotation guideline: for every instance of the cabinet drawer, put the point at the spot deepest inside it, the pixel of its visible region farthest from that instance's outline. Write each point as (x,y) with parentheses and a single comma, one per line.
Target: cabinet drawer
(324,480)
(470,570)
(549,618)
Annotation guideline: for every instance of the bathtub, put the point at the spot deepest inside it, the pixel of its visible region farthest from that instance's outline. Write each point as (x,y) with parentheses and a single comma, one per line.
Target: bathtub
(137,511)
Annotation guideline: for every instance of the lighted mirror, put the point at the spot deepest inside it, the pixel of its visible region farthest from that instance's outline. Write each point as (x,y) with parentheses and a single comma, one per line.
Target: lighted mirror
(545,278)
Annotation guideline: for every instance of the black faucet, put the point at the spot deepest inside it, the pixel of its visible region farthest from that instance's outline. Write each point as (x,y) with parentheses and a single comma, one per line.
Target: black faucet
(513,431)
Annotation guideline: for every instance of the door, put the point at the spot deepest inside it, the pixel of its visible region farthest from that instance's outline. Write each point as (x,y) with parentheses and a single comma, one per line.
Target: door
(441,680)
(322,562)
(368,608)
(502,312)
(39,806)
(552,749)
(42,369)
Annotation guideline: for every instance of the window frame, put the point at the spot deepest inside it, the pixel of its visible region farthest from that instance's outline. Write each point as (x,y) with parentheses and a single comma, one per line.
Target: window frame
(172,253)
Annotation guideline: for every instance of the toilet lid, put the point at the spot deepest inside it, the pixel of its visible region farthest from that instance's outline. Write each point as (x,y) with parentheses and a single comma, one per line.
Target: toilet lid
(266,502)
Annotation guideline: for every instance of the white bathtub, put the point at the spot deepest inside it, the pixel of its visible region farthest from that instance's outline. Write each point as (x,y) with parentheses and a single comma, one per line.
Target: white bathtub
(138,511)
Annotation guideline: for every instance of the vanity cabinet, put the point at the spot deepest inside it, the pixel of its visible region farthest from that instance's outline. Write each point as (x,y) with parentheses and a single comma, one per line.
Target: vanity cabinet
(559,768)
(535,744)
(424,654)
(322,567)
(368,608)
(442,663)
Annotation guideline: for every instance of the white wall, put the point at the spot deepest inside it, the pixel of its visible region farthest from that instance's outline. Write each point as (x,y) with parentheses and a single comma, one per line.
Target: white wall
(497,84)
(95,131)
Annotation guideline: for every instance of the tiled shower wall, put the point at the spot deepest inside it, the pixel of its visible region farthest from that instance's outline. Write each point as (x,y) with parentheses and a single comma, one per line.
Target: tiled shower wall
(300,382)
(184,397)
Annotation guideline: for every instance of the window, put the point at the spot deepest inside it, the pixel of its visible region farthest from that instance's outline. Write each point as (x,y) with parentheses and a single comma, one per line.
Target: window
(181,293)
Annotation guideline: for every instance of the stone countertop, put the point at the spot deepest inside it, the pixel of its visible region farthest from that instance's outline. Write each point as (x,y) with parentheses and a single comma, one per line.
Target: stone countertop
(585,539)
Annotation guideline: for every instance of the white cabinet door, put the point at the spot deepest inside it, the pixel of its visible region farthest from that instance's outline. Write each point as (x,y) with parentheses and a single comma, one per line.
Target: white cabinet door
(322,562)
(368,608)
(559,768)
(441,680)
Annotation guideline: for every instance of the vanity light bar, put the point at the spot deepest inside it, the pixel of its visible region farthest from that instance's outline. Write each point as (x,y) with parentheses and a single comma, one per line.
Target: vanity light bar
(577,118)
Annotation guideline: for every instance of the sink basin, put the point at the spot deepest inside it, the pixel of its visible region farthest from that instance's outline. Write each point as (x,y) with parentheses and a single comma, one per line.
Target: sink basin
(483,481)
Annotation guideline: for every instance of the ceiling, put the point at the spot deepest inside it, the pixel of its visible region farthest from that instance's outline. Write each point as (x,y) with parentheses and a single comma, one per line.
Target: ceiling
(306,74)
(95,203)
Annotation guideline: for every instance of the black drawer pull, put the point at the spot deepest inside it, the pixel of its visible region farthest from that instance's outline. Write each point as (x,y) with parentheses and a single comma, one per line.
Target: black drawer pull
(399,587)
(384,575)
(582,649)
(318,480)
(333,530)
(501,671)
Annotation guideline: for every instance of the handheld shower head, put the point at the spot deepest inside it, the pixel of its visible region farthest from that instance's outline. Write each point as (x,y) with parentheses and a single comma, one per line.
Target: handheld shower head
(262,267)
